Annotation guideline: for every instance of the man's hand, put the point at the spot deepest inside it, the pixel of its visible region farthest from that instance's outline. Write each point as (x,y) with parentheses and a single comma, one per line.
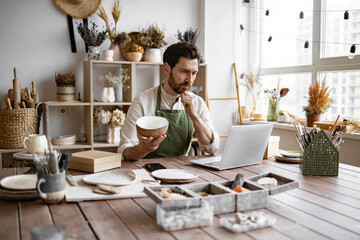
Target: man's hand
(145,146)
(187,101)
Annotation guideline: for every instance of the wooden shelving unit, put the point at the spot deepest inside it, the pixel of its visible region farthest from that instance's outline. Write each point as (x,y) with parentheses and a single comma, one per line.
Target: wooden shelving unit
(91,96)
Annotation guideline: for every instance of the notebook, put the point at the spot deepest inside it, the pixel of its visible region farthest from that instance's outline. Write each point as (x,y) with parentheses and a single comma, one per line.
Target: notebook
(245,145)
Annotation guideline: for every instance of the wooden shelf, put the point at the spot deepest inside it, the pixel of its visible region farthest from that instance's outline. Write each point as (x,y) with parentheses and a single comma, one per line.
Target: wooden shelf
(91,92)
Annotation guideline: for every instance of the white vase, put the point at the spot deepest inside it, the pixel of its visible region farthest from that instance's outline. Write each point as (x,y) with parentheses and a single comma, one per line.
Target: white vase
(113,134)
(108,94)
(153,55)
(93,53)
(116,50)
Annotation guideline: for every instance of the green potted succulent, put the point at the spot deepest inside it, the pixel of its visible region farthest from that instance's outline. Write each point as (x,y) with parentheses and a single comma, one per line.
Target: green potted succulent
(152,39)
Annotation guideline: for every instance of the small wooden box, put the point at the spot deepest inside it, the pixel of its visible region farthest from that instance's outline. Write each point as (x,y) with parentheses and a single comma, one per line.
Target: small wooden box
(222,199)
(257,198)
(284,183)
(95,161)
(272,147)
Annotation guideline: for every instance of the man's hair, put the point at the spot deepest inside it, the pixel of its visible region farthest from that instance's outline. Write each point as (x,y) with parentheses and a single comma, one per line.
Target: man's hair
(182,49)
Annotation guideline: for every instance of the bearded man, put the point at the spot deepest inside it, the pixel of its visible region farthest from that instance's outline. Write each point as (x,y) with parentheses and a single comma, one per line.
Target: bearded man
(186,112)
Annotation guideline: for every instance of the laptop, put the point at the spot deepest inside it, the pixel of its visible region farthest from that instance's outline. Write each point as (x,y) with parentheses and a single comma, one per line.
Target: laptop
(245,145)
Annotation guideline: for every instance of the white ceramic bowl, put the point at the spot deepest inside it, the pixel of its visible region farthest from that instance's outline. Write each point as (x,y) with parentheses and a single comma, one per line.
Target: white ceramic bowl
(152,126)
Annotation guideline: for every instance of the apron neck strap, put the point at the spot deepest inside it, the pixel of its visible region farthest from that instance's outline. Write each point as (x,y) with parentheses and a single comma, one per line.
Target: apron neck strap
(158,101)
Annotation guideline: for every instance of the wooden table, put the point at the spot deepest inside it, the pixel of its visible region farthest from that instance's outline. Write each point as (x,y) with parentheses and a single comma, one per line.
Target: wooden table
(321,208)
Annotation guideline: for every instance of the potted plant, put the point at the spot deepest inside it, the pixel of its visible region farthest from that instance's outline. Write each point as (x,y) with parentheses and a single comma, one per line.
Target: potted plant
(116,39)
(319,102)
(65,86)
(132,50)
(93,38)
(152,39)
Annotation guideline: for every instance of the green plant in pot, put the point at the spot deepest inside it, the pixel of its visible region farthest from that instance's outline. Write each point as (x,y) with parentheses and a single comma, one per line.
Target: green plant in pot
(152,39)
(319,102)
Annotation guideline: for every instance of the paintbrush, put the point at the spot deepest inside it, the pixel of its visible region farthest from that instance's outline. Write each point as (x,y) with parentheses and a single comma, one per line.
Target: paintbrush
(333,127)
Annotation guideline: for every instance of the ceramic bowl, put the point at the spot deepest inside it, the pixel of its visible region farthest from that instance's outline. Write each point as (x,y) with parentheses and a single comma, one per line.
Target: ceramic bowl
(152,126)
(134,56)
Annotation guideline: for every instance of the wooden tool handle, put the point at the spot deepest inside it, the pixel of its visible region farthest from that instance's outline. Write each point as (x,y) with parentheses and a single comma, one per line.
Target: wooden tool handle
(14,73)
(28,93)
(8,102)
(33,87)
(23,104)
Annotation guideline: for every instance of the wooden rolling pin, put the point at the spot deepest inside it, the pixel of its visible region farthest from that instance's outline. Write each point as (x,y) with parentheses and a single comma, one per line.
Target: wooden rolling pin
(29,102)
(11,95)
(34,93)
(8,102)
(17,90)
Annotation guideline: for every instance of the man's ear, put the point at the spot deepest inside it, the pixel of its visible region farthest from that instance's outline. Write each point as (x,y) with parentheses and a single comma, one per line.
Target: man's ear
(167,69)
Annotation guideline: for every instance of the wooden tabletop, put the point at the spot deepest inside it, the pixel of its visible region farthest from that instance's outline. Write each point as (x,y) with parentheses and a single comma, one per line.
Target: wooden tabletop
(321,208)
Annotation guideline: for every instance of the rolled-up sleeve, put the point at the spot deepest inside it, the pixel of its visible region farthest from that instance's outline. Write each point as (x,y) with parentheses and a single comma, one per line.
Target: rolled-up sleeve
(204,114)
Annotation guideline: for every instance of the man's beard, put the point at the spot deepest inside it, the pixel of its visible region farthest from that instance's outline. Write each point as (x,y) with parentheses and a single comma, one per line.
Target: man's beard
(178,88)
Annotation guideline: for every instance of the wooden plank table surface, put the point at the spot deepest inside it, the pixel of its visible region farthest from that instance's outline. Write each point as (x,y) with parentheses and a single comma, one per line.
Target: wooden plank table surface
(321,208)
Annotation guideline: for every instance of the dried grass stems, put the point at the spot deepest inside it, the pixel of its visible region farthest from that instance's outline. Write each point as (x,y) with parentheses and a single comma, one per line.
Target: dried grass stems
(152,37)
(65,79)
(254,85)
(319,98)
(116,11)
(91,37)
(191,35)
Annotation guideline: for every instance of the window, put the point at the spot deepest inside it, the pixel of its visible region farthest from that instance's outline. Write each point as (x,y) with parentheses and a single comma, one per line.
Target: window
(330,38)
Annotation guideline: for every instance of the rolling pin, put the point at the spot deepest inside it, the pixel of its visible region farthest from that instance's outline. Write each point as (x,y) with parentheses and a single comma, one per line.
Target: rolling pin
(8,102)
(23,104)
(11,95)
(29,102)
(17,90)
(34,93)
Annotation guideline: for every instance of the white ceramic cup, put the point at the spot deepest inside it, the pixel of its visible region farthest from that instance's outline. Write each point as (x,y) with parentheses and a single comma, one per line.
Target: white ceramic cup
(35,143)
(108,55)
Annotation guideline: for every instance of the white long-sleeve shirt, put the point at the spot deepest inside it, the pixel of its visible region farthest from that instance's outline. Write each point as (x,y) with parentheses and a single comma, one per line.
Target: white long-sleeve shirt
(145,105)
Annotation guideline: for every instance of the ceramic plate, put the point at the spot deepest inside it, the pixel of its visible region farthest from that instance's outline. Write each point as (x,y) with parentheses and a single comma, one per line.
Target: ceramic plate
(280,158)
(19,182)
(290,154)
(116,177)
(174,175)
(23,155)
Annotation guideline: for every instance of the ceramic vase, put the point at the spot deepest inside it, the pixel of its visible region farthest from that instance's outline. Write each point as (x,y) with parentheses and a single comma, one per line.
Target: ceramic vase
(108,94)
(152,55)
(116,50)
(273,110)
(311,118)
(113,134)
(93,53)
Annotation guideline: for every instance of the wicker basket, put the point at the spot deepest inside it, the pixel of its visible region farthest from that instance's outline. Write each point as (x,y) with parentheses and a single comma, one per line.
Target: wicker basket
(65,93)
(320,157)
(16,124)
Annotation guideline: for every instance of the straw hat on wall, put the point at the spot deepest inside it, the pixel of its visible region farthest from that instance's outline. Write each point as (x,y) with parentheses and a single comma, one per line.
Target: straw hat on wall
(78,8)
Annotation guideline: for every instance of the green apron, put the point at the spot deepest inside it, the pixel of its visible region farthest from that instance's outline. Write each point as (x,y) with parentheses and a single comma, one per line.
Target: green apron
(179,133)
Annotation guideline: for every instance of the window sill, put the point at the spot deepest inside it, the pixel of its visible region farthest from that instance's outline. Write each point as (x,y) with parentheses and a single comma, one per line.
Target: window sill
(289,127)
